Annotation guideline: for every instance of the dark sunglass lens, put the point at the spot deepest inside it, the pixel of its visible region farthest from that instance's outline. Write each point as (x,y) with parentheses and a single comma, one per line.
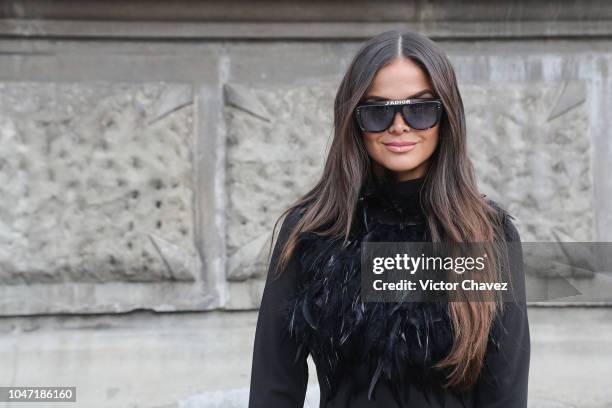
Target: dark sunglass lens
(421,115)
(376,118)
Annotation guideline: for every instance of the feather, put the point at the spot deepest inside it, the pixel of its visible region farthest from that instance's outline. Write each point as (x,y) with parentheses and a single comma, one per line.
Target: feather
(427,318)
(306,313)
(397,341)
(375,379)
(291,323)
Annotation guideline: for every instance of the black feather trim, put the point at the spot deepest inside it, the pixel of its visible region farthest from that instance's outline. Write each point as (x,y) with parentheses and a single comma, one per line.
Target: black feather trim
(397,342)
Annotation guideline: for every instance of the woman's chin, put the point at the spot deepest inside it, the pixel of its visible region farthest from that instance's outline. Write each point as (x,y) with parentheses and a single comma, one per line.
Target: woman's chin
(401,166)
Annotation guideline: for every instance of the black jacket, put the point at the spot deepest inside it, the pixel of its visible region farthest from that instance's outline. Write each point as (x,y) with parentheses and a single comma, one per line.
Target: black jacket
(359,354)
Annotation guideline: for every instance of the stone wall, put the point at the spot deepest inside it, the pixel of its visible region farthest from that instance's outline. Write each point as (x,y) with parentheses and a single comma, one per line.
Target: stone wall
(144,173)
(147,148)
(531,146)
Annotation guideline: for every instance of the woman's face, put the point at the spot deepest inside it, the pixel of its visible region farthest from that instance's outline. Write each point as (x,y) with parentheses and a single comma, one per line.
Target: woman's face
(401,79)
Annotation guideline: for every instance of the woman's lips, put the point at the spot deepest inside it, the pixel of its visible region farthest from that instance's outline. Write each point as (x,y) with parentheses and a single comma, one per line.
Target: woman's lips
(400,147)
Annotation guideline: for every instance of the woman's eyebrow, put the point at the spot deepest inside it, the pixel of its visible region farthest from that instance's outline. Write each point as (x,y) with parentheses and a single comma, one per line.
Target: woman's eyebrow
(380,98)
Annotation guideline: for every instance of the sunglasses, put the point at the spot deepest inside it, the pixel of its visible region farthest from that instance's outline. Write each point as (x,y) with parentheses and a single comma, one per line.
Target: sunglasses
(419,114)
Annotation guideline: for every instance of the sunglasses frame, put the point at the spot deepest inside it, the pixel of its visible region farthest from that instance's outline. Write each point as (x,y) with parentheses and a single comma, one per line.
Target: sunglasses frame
(397,107)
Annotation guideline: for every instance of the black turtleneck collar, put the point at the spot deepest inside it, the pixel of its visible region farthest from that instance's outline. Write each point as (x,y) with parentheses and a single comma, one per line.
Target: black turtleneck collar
(391,201)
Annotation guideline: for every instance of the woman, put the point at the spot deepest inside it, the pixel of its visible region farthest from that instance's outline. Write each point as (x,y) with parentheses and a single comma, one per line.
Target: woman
(397,170)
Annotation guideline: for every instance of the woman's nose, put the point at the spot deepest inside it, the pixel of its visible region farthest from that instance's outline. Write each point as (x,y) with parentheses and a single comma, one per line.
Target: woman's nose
(399,125)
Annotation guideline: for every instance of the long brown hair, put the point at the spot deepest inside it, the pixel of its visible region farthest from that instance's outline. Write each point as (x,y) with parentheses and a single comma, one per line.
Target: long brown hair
(455,211)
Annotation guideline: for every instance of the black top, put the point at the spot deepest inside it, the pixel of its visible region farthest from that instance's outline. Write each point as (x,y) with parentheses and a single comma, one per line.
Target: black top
(373,354)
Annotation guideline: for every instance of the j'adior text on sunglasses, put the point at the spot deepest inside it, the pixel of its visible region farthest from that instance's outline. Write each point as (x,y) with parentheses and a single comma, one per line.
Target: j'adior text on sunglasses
(419,114)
